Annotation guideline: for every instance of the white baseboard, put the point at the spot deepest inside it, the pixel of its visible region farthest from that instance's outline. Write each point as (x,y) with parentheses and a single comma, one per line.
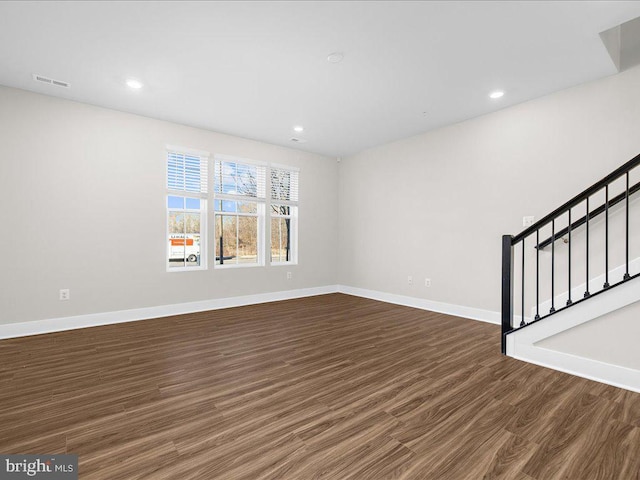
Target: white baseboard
(615,375)
(37,327)
(424,304)
(60,324)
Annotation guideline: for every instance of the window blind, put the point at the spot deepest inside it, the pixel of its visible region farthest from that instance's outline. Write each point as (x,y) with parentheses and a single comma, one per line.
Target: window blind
(187,173)
(284,184)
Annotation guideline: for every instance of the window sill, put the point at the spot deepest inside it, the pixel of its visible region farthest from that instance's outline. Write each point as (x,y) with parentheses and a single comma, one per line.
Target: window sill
(236,265)
(186,269)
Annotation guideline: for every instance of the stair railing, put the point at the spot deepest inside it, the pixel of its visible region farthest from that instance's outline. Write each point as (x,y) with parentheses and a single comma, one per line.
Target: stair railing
(531,237)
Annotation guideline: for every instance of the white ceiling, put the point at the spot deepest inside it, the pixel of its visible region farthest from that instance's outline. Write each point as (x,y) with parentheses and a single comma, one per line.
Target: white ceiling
(256,69)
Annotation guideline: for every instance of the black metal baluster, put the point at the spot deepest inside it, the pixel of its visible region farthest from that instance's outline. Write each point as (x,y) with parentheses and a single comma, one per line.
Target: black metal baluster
(553,264)
(586,293)
(606,237)
(537,317)
(509,253)
(626,194)
(522,323)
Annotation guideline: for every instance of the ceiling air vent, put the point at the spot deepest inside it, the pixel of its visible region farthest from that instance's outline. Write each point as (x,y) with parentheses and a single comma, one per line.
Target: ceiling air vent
(50,81)
(298,140)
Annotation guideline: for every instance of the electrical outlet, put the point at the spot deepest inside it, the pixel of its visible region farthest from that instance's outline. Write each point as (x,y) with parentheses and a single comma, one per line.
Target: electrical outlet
(427,282)
(410,280)
(528,221)
(289,275)
(65,294)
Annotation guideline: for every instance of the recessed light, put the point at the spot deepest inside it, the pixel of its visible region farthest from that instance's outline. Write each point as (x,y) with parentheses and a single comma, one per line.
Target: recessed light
(335,57)
(135,84)
(496,94)
(298,128)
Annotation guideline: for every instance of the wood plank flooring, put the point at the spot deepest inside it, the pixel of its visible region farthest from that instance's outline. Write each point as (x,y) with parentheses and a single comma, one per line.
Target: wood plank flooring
(333,387)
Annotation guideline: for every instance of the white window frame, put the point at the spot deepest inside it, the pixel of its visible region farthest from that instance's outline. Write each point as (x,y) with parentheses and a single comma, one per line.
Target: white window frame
(293,216)
(204,200)
(259,200)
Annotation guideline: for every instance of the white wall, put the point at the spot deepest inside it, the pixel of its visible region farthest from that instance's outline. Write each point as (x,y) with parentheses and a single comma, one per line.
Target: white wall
(436,205)
(611,339)
(82,195)
(82,206)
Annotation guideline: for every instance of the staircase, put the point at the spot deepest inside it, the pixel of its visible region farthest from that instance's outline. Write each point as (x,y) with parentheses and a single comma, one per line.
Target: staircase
(578,263)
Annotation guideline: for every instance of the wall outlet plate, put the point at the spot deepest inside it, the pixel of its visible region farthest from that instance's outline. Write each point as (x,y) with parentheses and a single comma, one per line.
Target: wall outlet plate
(528,220)
(65,294)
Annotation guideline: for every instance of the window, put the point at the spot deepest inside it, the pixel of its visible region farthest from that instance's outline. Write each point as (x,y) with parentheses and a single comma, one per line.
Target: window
(239,206)
(187,191)
(284,214)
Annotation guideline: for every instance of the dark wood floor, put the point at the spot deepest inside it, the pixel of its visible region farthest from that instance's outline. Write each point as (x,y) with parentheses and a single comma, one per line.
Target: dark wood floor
(332,387)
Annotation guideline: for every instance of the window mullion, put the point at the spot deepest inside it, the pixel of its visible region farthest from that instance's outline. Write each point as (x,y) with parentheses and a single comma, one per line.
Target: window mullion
(237,239)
